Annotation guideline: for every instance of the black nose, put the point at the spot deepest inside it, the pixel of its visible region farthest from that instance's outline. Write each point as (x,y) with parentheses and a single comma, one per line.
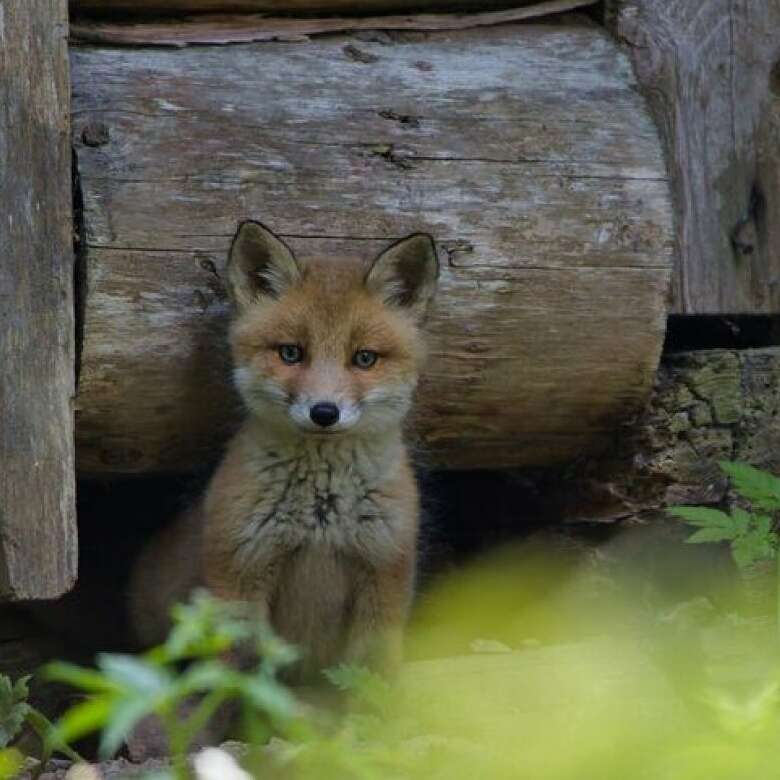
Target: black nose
(324,414)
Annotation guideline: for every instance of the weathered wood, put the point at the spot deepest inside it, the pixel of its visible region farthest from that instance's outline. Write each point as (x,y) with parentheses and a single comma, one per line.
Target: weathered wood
(525,150)
(710,71)
(247,28)
(289,7)
(707,406)
(37,514)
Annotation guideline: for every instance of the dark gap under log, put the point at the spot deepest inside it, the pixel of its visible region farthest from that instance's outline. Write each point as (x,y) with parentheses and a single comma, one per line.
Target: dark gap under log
(740,331)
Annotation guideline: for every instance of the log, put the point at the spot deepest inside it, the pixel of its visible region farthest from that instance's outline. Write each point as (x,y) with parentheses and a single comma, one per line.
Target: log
(247,28)
(706,406)
(547,194)
(288,7)
(710,72)
(37,511)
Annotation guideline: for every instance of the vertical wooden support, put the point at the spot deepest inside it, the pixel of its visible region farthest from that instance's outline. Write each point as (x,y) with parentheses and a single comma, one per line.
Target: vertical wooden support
(37,511)
(711,72)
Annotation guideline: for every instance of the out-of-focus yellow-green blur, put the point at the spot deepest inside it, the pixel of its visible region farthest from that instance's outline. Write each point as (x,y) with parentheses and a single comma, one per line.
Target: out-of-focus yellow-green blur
(534,663)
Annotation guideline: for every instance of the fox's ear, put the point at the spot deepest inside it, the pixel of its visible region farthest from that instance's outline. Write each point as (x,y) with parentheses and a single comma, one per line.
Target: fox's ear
(259,265)
(406,273)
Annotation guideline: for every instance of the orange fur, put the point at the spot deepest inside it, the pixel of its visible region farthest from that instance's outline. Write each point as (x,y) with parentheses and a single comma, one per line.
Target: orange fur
(317,526)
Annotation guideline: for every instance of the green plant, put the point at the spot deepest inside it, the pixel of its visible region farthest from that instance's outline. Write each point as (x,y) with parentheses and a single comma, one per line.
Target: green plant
(751,534)
(16,713)
(123,689)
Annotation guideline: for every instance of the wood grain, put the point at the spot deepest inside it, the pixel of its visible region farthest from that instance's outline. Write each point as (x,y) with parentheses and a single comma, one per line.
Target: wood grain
(710,71)
(287,7)
(247,28)
(525,150)
(37,513)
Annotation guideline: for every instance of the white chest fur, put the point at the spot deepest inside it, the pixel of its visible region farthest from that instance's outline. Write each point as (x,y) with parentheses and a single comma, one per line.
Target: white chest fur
(325,498)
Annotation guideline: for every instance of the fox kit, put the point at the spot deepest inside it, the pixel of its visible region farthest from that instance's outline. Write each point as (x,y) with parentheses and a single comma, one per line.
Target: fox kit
(312,515)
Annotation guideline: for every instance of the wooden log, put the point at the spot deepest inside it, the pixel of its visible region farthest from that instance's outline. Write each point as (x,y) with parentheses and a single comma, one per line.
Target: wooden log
(37,512)
(707,406)
(547,194)
(247,28)
(287,7)
(710,71)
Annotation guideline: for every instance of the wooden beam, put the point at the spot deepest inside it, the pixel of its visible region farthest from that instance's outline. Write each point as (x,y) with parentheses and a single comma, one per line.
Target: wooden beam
(37,513)
(710,72)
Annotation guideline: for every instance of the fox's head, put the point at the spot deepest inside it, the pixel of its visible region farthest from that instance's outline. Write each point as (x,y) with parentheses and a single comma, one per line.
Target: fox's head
(327,348)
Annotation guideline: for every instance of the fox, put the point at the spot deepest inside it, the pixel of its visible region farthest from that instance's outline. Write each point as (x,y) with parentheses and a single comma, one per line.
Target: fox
(312,515)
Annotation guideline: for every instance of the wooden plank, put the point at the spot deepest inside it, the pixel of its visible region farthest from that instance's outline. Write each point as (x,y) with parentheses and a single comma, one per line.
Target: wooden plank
(709,70)
(547,195)
(248,28)
(37,514)
(287,7)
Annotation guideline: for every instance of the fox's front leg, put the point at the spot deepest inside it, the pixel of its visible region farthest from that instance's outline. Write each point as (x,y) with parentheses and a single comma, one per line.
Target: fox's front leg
(380,608)
(254,595)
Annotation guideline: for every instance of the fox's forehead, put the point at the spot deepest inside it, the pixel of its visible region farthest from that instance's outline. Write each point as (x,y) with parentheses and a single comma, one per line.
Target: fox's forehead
(329,310)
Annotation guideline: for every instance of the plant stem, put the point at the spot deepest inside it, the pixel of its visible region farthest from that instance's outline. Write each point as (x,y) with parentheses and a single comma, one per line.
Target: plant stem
(44,729)
(201,716)
(177,745)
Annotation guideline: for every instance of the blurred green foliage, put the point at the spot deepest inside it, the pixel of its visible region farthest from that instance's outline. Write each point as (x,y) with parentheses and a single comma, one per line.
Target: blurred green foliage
(554,669)
(16,715)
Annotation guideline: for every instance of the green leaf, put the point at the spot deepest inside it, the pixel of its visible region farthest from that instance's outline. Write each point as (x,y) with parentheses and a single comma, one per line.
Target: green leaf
(270,697)
(763,525)
(204,676)
(759,487)
(133,673)
(21,690)
(364,684)
(83,719)
(741,520)
(710,535)
(124,716)
(87,680)
(44,728)
(751,548)
(703,517)
(204,628)
(13,708)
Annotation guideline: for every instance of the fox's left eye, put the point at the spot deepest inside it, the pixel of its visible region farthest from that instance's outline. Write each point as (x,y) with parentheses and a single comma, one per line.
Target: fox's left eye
(364,358)
(291,353)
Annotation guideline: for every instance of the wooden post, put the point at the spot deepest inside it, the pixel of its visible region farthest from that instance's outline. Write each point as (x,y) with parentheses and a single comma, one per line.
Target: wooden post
(711,73)
(37,512)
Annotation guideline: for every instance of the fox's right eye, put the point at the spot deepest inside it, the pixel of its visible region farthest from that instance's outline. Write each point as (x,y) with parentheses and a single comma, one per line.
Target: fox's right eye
(291,353)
